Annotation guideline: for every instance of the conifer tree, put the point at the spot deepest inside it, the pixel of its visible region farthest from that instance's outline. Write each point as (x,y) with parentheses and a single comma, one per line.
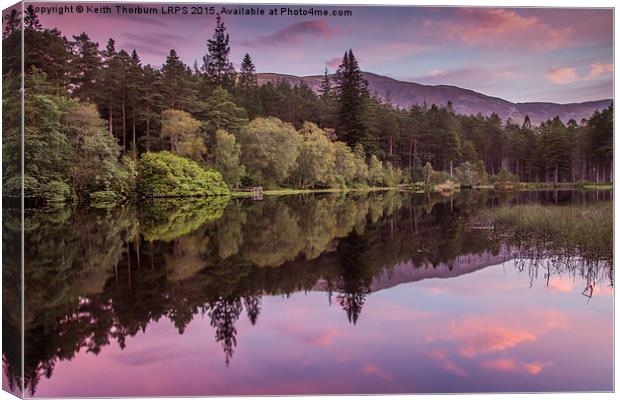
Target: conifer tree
(86,67)
(247,74)
(109,79)
(13,23)
(221,112)
(452,148)
(177,87)
(247,87)
(151,102)
(327,103)
(218,68)
(326,87)
(135,89)
(124,61)
(351,94)
(31,20)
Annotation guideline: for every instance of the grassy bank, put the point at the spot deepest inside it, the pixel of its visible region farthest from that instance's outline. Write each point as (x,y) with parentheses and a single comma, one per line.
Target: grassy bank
(290,191)
(587,228)
(581,185)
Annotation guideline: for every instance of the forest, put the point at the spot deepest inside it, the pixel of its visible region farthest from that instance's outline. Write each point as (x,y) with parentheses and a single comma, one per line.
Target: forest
(102,126)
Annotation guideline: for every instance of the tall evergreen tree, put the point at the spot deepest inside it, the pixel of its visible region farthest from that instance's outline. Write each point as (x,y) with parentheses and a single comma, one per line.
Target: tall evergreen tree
(135,90)
(31,20)
(109,79)
(178,90)
(218,68)
(555,146)
(247,87)
(247,74)
(600,129)
(351,92)
(327,103)
(13,23)
(151,103)
(326,87)
(124,61)
(221,112)
(86,64)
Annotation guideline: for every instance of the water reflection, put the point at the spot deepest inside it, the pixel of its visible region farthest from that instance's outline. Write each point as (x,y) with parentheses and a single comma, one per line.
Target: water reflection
(98,277)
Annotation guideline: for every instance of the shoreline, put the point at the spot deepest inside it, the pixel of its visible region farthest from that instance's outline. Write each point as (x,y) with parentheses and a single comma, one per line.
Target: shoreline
(290,191)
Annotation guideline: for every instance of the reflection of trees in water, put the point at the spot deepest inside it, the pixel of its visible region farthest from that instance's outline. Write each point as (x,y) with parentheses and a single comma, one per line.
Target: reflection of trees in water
(564,263)
(224,313)
(352,303)
(252,307)
(92,280)
(569,240)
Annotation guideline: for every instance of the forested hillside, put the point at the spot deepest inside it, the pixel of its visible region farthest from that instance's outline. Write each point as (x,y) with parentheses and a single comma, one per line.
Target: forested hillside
(93,110)
(406,94)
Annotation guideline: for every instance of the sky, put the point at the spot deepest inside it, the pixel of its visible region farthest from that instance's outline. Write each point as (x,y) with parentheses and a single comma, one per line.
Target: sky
(519,54)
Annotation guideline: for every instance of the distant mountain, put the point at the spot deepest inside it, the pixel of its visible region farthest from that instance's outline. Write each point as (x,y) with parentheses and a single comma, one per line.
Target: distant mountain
(464,101)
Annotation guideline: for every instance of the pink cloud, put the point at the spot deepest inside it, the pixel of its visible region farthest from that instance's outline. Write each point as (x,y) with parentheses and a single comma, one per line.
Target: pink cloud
(475,336)
(445,363)
(561,76)
(512,365)
(496,27)
(489,339)
(435,72)
(534,368)
(566,75)
(502,364)
(598,69)
(326,338)
(334,62)
(323,338)
(294,34)
(372,369)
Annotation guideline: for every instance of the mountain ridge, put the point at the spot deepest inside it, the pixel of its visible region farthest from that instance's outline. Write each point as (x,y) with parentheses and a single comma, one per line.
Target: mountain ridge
(404,94)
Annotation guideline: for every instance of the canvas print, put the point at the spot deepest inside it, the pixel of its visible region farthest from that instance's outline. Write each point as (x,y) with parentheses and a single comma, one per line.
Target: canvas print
(214,199)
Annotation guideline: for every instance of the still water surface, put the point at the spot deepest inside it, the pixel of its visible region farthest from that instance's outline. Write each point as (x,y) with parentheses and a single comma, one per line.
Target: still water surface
(382,293)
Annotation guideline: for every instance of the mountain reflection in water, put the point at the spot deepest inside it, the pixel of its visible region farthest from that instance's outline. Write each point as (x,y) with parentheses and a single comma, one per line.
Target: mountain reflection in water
(304,294)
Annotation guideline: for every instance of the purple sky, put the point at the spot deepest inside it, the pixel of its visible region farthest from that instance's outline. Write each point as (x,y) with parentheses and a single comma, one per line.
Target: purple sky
(528,54)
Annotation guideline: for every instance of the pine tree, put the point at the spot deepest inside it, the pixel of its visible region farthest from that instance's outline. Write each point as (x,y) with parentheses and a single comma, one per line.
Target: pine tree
(247,87)
(326,103)
(600,146)
(351,94)
(177,87)
(13,24)
(86,67)
(219,70)
(109,80)
(555,146)
(31,20)
(124,61)
(151,101)
(221,112)
(325,89)
(135,89)
(247,74)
